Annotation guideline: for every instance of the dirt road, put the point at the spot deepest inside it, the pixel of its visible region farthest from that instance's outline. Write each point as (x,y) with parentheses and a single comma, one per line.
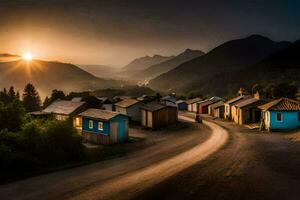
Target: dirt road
(252,165)
(126,177)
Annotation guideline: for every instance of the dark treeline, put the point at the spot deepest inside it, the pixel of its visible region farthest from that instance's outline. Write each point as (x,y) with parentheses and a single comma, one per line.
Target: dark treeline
(28,145)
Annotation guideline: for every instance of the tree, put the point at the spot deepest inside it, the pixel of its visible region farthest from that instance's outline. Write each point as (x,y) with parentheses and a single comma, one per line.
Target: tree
(31,98)
(56,94)
(12,116)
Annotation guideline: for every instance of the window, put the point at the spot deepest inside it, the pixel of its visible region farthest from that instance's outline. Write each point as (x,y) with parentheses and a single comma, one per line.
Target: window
(77,121)
(279,117)
(90,124)
(299,116)
(100,126)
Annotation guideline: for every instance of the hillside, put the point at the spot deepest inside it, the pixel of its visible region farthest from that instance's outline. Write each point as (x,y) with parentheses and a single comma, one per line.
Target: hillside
(101,70)
(47,76)
(281,66)
(230,56)
(163,67)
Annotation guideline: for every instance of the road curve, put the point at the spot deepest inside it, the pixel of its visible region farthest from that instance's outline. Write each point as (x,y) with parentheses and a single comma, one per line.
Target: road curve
(126,185)
(146,177)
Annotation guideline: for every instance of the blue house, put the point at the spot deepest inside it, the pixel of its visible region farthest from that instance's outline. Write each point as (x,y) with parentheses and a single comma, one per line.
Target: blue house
(181,105)
(281,114)
(104,127)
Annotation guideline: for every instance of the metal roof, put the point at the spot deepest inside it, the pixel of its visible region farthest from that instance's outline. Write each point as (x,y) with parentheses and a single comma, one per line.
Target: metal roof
(63,107)
(282,104)
(153,106)
(195,100)
(99,114)
(246,102)
(127,103)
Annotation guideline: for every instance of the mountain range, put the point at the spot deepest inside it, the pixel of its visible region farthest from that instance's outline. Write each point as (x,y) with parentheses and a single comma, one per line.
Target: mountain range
(233,57)
(46,76)
(163,67)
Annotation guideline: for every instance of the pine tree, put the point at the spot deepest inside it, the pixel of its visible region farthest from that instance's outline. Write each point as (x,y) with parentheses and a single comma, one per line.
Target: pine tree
(31,98)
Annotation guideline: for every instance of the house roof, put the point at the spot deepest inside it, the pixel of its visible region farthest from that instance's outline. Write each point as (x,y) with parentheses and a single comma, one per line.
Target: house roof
(195,100)
(63,107)
(153,106)
(99,114)
(246,102)
(206,102)
(217,104)
(127,103)
(169,98)
(180,101)
(282,104)
(235,99)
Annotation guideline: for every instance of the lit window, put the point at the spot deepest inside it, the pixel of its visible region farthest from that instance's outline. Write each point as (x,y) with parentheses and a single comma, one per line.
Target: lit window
(279,117)
(100,126)
(91,124)
(77,121)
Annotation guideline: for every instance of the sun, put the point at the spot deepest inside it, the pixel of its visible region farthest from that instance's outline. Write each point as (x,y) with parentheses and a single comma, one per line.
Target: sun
(27,56)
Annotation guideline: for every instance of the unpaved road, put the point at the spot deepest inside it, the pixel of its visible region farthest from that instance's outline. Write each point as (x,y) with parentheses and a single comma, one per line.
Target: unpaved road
(125,177)
(251,166)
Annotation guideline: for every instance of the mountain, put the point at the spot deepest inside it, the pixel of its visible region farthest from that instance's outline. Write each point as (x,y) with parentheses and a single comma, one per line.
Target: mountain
(233,55)
(163,67)
(281,66)
(101,70)
(46,76)
(143,63)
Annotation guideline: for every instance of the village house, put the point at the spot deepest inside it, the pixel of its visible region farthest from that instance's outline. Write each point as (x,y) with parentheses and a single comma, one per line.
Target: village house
(155,115)
(181,105)
(203,105)
(63,109)
(131,108)
(229,105)
(217,109)
(192,104)
(104,127)
(107,104)
(169,101)
(246,111)
(281,114)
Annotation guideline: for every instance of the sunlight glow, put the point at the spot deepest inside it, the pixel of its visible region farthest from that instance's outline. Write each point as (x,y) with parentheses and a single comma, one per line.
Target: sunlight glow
(27,56)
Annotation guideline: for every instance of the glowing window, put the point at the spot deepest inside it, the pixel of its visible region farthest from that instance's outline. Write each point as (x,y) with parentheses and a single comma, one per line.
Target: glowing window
(100,126)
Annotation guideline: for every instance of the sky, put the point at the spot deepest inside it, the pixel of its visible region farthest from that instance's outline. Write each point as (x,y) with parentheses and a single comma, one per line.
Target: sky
(114,32)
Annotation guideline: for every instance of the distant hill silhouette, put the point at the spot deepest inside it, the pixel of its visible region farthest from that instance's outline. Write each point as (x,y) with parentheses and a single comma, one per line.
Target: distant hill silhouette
(141,64)
(234,55)
(47,76)
(166,66)
(101,71)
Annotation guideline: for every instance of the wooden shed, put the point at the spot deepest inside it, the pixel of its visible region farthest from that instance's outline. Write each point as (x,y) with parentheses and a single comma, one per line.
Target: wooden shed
(104,127)
(131,108)
(192,104)
(155,115)
(217,109)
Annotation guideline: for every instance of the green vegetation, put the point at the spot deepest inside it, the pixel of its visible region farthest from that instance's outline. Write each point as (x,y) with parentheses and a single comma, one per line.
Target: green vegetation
(134,91)
(33,146)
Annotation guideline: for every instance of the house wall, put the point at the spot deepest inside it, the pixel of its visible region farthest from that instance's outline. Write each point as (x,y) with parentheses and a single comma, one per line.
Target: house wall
(289,120)
(108,107)
(234,114)
(190,107)
(85,126)
(61,117)
(133,111)
(227,111)
(194,107)
(114,131)
(219,112)
(159,118)
(182,106)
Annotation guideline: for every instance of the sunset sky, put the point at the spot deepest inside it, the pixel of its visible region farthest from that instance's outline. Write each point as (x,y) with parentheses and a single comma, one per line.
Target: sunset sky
(115,32)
